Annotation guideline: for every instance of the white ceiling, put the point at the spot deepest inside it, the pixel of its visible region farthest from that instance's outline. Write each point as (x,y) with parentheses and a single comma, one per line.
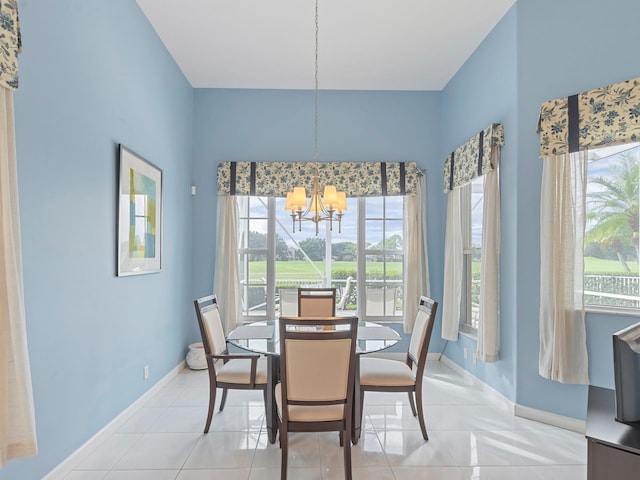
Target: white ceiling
(363,44)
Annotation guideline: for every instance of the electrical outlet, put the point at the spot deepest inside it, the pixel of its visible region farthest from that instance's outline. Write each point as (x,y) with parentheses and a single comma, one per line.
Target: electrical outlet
(465,353)
(145,372)
(475,358)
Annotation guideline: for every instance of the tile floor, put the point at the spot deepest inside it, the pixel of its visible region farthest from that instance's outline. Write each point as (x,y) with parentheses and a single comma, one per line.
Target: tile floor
(469,439)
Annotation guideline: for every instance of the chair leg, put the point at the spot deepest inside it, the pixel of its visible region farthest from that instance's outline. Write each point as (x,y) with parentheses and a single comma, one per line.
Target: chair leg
(423,427)
(347,456)
(412,404)
(212,406)
(284,452)
(223,400)
(266,407)
(355,440)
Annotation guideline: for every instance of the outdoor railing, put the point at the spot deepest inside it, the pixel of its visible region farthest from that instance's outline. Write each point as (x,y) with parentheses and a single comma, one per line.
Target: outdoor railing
(254,291)
(602,290)
(612,290)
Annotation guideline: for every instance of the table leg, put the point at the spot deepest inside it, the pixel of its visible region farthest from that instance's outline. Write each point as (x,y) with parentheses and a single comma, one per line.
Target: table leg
(273,369)
(357,413)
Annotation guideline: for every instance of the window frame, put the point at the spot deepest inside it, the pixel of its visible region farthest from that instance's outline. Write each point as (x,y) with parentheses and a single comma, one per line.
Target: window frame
(361,252)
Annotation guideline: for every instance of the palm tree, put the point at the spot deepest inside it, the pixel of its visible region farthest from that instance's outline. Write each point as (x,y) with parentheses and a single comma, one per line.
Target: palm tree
(614,207)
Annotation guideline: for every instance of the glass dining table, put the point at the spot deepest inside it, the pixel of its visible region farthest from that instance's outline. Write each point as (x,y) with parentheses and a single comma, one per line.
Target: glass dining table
(263,337)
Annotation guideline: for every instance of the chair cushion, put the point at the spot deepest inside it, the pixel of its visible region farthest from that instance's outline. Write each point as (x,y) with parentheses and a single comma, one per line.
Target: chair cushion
(303,413)
(317,369)
(239,371)
(382,372)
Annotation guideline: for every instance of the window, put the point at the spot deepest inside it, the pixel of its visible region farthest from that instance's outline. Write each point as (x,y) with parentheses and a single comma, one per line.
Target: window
(472,249)
(611,276)
(472,204)
(274,259)
(382,232)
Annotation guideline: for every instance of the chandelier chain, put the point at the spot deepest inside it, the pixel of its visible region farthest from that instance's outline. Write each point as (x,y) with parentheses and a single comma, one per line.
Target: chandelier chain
(315,148)
(329,206)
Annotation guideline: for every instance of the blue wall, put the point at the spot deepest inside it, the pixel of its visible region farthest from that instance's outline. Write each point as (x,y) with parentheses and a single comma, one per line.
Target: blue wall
(540,50)
(94,74)
(563,48)
(278,125)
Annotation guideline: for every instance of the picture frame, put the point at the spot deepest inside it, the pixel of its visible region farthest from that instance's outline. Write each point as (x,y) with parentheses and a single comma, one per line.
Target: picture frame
(139,230)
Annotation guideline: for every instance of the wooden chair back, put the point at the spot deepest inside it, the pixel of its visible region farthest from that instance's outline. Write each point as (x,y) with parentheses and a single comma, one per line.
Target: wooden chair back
(316,302)
(211,330)
(317,360)
(421,335)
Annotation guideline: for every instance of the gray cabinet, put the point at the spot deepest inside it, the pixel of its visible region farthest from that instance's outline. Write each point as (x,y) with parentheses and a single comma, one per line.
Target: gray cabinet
(613,447)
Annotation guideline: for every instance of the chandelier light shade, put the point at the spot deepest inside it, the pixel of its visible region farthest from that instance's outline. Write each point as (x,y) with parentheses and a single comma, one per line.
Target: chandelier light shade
(329,207)
(332,204)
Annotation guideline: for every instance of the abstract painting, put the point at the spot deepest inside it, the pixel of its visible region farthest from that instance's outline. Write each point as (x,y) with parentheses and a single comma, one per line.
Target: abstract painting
(139,215)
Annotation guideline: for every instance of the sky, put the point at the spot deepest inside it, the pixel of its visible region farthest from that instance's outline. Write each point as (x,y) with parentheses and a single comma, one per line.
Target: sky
(348,229)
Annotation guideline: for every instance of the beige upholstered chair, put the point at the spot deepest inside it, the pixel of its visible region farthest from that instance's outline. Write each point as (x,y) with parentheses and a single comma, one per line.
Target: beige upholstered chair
(316,302)
(317,370)
(241,372)
(384,375)
(380,301)
(288,302)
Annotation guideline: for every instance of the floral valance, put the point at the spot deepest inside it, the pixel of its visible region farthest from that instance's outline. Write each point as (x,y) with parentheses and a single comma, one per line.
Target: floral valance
(10,44)
(356,179)
(597,118)
(472,159)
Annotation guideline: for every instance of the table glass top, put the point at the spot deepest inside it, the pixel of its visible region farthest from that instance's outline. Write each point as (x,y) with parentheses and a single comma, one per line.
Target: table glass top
(264,337)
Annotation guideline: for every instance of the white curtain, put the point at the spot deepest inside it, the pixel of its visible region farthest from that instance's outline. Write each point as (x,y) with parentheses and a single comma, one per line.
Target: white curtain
(227,277)
(453,266)
(416,281)
(488,328)
(563,350)
(17,419)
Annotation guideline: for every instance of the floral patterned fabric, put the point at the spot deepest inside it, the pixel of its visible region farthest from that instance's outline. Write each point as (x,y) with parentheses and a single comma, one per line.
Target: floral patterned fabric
(356,179)
(466,158)
(10,44)
(607,116)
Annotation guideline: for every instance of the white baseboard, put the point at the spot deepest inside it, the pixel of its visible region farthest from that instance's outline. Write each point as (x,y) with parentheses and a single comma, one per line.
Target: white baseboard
(568,423)
(498,399)
(68,464)
(560,421)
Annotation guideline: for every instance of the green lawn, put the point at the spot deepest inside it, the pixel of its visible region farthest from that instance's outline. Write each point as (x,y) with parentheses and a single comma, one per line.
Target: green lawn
(597,265)
(258,269)
(592,266)
(303,267)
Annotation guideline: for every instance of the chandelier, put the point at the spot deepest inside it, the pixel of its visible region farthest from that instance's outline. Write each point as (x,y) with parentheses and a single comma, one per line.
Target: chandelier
(331,205)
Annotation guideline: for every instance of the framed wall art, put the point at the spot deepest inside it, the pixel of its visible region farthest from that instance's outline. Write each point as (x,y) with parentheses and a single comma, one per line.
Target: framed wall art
(139,215)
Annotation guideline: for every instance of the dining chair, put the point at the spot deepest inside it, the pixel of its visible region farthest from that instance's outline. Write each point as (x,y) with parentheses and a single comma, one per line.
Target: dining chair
(317,376)
(316,302)
(385,375)
(226,371)
(288,301)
